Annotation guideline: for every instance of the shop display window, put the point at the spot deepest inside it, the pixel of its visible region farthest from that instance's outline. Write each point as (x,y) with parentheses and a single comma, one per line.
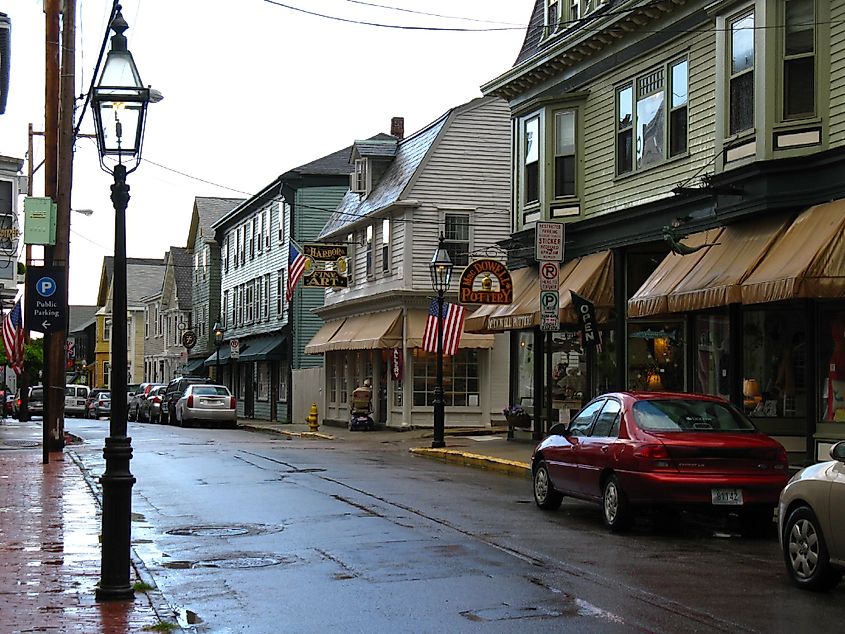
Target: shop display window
(656,356)
(460,378)
(263,382)
(525,367)
(331,368)
(832,371)
(775,363)
(712,355)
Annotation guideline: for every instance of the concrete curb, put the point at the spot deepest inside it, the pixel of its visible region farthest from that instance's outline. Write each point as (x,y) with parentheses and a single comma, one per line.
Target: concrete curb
(467,459)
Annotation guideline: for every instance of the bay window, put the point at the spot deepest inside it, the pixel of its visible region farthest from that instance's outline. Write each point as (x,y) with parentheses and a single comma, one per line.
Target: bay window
(564,153)
(799,63)
(531,161)
(741,75)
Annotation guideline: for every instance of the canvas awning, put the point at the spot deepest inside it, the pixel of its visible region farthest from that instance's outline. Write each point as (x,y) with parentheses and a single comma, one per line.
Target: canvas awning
(416,328)
(363,332)
(261,348)
(194,365)
(806,261)
(590,276)
(717,278)
(323,336)
(652,296)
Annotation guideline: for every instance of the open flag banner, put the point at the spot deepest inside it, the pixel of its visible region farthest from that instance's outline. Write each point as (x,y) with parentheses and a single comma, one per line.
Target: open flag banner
(13,338)
(296,267)
(453,326)
(590,334)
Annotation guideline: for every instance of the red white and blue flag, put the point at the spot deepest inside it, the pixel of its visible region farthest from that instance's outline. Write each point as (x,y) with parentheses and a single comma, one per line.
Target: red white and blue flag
(13,338)
(296,267)
(453,327)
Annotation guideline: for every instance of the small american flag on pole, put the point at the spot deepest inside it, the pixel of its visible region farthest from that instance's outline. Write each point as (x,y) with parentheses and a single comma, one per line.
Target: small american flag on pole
(453,326)
(296,266)
(13,338)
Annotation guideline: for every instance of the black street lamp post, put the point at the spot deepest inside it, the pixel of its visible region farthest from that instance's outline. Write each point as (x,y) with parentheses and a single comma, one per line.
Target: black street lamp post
(119,105)
(441,274)
(219,331)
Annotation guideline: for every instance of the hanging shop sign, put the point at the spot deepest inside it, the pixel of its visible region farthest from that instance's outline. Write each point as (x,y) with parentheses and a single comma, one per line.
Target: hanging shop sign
(510,322)
(326,265)
(396,364)
(485,281)
(189,339)
(586,310)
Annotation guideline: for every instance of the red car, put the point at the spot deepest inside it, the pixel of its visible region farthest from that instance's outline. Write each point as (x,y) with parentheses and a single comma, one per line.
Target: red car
(632,450)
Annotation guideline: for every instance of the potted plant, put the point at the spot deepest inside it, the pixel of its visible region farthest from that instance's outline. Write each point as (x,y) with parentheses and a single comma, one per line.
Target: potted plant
(517,416)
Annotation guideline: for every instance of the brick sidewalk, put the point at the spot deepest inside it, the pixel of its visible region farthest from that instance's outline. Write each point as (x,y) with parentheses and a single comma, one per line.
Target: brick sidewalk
(49,552)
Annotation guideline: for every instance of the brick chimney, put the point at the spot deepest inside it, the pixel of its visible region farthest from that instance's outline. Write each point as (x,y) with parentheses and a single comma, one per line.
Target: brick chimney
(397,127)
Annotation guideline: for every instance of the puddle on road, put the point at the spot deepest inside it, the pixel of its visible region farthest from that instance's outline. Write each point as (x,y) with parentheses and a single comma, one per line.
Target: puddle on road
(235,561)
(225,530)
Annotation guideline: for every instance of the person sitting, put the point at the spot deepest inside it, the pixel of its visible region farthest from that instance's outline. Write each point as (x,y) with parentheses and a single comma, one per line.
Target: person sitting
(362,399)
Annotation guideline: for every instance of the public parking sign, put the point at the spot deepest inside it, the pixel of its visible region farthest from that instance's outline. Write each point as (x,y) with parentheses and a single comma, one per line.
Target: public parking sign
(46,298)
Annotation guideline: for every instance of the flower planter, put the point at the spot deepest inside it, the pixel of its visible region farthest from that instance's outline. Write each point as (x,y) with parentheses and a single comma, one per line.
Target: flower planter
(519,420)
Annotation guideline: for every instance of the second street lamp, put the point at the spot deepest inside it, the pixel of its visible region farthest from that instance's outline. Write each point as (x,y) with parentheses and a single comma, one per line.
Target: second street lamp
(219,331)
(119,104)
(441,274)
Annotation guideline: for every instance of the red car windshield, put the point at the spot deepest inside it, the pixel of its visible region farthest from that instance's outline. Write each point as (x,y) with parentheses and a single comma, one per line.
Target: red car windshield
(689,415)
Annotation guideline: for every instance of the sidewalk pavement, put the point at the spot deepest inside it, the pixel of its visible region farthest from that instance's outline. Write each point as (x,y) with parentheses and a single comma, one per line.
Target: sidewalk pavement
(50,522)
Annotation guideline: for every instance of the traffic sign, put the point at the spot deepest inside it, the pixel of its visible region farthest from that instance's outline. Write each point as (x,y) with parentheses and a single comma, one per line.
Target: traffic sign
(549,276)
(550,323)
(234,349)
(549,304)
(46,298)
(548,245)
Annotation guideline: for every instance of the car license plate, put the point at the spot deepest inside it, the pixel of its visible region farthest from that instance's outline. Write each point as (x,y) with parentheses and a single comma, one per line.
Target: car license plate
(726,497)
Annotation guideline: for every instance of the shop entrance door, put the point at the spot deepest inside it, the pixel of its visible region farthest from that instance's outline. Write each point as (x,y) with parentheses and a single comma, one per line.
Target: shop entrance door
(382,392)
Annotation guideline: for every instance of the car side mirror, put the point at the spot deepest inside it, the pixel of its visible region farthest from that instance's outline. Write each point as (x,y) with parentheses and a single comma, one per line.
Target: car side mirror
(559,429)
(837,452)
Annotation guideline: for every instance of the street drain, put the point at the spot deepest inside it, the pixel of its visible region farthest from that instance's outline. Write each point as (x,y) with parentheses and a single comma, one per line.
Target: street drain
(21,444)
(234,562)
(222,530)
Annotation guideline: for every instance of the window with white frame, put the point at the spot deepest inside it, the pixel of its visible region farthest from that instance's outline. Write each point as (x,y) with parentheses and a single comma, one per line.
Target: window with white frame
(146,322)
(235,306)
(248,301)
(651,116)
(107,329)
(284,215)
(236,254)
(257,298)
(350,258)
(552,22)
(460,373)
(225,308)
(241,304)
(368,248)
(250,227)
(265,305)
(531,161)
(385,246)
(263,392)
(284,371)
(456,238)
(266,220)
(741,73)
(359,182)
(225,254)
(244,242)
(331,369)
(799,59)
(259,238)
(106,373)
(564,145)
(280,292)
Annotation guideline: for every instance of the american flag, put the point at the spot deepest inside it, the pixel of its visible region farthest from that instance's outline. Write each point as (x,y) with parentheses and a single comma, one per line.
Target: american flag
(296,266)
(13,338)
(453,326)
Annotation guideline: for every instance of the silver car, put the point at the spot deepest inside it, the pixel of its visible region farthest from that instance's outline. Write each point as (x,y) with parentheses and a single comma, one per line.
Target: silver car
(810,521)
(206,403)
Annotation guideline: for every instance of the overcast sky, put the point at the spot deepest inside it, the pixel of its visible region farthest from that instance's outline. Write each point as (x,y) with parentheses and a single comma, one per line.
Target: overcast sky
(251,89)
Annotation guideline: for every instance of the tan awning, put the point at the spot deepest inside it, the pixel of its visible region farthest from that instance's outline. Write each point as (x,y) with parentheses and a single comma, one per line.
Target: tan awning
(416,328)
(318,342)
(367,332)
(717,278)
(590,276)
(806,261)
(652,296)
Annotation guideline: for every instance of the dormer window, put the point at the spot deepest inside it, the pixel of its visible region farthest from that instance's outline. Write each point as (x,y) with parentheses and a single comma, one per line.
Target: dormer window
(359,179)
(552,16)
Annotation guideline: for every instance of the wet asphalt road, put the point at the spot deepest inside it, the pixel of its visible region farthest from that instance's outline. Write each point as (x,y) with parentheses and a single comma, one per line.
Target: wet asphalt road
(257,533)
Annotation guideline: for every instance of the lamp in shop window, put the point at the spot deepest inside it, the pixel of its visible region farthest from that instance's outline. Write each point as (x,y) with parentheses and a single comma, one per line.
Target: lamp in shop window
(654,382)
(441,275)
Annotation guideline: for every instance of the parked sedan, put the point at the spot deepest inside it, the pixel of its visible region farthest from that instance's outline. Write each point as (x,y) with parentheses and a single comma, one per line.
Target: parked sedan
(206,403)
(632,450)
(810,521)
(101,405)
(137,398)
(150,408)
(36,401)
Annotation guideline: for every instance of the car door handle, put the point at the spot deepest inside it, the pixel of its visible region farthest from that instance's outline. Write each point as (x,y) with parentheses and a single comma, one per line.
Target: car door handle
(604,449)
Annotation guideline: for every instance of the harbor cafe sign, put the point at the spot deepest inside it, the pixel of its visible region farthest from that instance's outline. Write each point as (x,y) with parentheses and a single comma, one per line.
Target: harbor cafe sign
(485,281)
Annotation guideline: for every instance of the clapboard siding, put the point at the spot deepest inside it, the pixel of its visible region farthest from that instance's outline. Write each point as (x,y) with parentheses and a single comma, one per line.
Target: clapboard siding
(837,74)
(603,191)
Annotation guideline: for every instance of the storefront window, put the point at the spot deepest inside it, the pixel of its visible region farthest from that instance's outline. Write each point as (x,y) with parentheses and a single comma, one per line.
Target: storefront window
(525,368)
(605,377)
(242,381)
(775,364)
(344,386)
(569,367)
(397,393)
(460,378)
(284,370)
(832,371)
(331,368)
(656,356)
(712,355)
(263,382)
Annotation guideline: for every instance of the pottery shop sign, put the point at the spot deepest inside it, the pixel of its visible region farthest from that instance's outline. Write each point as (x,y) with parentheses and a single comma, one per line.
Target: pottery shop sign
(510,322)
(485,281)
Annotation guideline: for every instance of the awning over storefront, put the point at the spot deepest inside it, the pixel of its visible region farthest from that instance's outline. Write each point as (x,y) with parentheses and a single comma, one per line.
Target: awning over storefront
(193,365)
(323,336)
(363,332)
(261,348)
(590,276)
(652,296)
(717,278)
(416,328)
(806,261)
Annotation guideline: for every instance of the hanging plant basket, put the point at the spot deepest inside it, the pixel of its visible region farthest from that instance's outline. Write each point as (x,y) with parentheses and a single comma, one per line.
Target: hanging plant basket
(518,420)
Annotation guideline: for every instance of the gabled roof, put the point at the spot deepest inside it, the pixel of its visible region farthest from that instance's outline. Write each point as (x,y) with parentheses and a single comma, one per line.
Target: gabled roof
(206,212)
(79,317)
(382,146)
(334,164)
(143,278)
(410,153)
(182,263)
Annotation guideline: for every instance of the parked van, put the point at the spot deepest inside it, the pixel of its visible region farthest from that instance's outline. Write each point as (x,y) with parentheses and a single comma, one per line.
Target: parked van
(75,397)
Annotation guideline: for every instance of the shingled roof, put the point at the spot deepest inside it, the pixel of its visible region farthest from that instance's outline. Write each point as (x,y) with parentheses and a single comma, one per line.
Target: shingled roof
(210,210)
(182,266)
(143,278)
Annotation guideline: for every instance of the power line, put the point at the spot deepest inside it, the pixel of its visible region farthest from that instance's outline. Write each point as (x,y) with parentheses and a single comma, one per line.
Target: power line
(434,15)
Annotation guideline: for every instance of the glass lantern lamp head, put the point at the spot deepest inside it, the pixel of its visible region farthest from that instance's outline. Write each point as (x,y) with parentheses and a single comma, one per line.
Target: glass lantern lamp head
(218,333)
(441,268)
(119,102)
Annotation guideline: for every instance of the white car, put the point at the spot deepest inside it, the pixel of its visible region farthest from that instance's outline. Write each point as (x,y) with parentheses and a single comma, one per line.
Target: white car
(207,404)
(811,521)
(75,397)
